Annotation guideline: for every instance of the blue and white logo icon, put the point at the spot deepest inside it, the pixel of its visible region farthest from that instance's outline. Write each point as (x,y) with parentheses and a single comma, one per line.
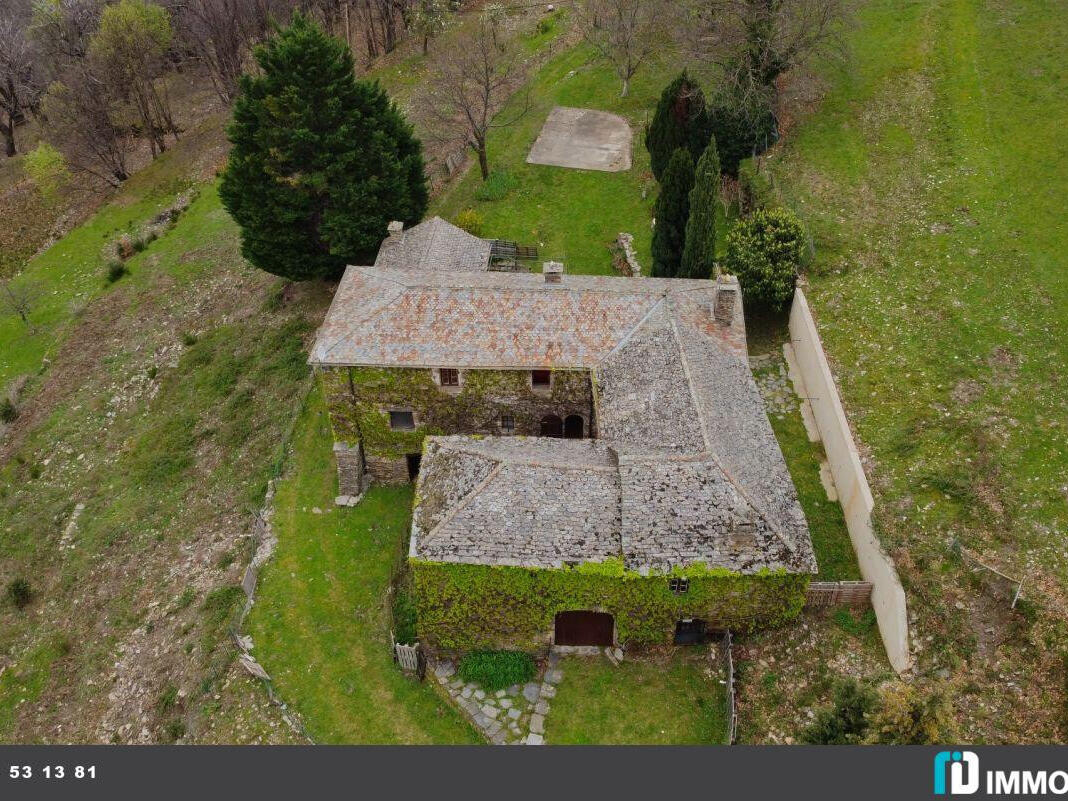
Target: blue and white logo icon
(963,769)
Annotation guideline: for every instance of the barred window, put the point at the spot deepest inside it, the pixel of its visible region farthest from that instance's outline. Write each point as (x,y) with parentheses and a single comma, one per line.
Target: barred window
(401,421)
(679,586)
(507,424)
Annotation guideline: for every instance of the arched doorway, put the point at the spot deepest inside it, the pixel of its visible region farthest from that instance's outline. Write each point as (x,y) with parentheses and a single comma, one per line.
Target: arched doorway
(573,427)
(584,628)
(552,426)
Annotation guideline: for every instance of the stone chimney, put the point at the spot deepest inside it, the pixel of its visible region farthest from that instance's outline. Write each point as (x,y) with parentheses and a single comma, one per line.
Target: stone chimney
(553,272)
(726,297)
(395,228)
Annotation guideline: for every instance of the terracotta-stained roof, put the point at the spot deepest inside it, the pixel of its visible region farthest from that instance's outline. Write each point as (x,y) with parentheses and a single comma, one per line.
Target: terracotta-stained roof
(407,318)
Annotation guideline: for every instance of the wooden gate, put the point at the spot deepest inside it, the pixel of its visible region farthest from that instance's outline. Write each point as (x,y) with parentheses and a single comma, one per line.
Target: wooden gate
(584,628)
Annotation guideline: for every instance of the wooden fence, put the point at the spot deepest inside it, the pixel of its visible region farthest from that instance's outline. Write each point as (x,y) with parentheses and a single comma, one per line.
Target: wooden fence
(822,594)
(732,706)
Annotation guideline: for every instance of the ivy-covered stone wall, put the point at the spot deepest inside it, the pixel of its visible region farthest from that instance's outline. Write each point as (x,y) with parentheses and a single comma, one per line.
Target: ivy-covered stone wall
(360,398)
(462,607)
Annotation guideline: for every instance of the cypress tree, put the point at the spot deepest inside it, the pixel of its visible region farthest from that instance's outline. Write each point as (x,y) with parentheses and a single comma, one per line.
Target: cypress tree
(681,120)
(699,254)
(321,162)
(672,211)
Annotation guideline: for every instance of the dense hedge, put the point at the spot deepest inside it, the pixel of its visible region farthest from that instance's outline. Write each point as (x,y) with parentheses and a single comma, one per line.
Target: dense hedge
(495,670)
(478,606)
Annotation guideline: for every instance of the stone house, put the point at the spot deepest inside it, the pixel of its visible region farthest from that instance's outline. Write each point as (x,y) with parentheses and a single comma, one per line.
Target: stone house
(593,460)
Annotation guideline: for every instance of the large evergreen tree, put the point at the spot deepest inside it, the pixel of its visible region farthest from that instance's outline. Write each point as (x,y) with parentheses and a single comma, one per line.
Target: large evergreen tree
(681,120)
(699,254)
(672,211)
(320,163)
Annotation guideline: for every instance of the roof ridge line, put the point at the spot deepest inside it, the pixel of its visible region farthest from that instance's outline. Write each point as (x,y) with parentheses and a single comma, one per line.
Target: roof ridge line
(475,490)
(757,507)
(630,334)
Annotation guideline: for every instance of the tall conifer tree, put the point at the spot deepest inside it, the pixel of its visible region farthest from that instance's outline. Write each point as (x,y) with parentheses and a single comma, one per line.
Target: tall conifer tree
(699,254)
(321,162)
(672,211)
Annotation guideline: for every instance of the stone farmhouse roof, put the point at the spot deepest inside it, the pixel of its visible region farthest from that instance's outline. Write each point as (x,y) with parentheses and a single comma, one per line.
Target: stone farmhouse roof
(685,467)
(434,245)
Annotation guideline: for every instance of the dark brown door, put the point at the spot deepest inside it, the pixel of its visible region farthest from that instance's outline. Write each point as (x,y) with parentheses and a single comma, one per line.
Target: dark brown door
(573,427)
(552,426)
(584,628)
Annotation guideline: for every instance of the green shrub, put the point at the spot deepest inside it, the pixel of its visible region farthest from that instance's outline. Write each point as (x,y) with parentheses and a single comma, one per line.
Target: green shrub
(48,169)
(188,339)
(19,593)
(471,221)
(910,715)
(8,411)
(765,251)
(175,730)
(495,670)
(116,270)
(497,186)
(846,721)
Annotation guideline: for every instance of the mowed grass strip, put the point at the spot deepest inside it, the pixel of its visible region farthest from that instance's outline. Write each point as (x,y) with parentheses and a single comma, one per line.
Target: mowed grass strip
(321,622)
(656,699)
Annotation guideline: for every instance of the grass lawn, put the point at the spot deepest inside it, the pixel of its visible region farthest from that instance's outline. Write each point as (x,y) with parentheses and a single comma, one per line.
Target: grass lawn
(571,215)
(933,177)
(830,537)
(320,623)
(658,699)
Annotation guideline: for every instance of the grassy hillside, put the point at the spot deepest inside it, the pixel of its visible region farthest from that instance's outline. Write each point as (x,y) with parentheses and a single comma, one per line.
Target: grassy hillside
(321,621)
(933,177)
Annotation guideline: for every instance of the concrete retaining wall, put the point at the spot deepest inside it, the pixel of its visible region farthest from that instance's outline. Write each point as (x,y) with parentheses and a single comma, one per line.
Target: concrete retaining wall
(888,597)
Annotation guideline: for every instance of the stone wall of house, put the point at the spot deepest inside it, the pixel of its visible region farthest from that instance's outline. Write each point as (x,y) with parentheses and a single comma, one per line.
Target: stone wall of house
(360,399)
(467,606)
(350,468)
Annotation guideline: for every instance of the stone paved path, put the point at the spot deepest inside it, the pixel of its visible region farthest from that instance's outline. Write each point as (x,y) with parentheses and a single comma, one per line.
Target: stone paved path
(514,716)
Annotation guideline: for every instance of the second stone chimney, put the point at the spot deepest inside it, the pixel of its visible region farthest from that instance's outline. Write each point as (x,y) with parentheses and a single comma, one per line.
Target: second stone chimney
(395,228)
(726,297)
(553,272)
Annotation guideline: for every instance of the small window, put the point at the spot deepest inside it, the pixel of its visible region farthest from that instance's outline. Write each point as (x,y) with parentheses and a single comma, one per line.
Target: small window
(507,424)
(450,377)
(679,586)
(539,379)
(401,421)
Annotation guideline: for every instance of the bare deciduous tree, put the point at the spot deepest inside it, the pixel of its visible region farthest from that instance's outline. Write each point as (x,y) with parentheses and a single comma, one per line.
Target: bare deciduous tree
(753,42)
(19,88)
(625,32)
(61,30)
(470,83)
(83,117)
(19,297)
(221,33)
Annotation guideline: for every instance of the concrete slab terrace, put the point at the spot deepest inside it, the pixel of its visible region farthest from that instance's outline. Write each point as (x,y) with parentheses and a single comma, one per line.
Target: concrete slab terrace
(583,139)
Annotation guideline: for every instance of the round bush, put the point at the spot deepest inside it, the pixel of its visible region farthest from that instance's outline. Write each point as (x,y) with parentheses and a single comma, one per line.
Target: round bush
(495,670)
(19,593)
(765,251)
(471,221)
